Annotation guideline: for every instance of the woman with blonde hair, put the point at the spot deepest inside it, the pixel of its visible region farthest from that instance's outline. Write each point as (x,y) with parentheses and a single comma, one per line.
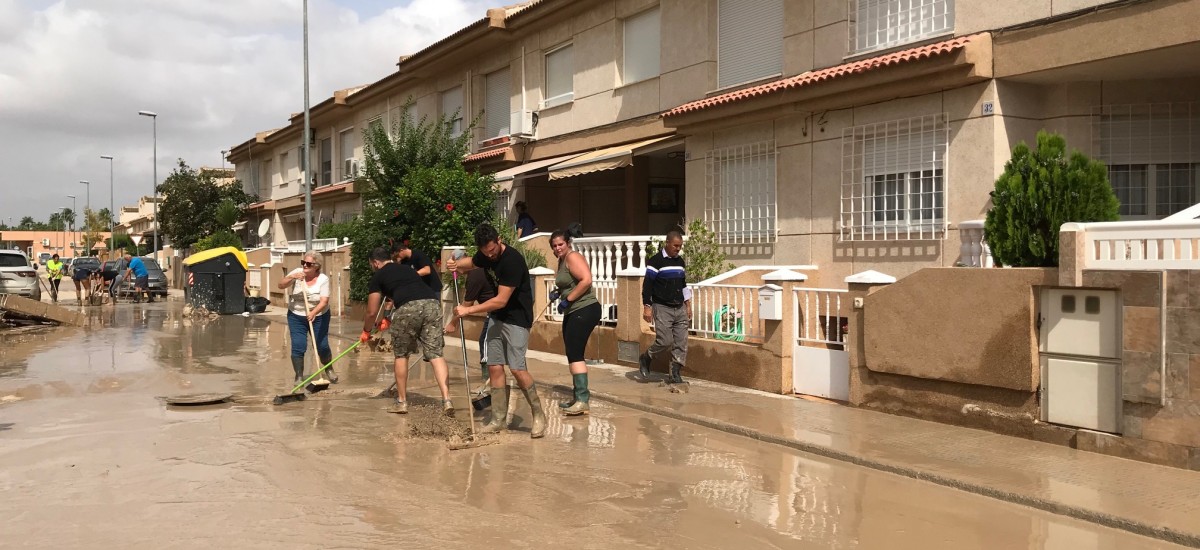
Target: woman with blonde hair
(309,286)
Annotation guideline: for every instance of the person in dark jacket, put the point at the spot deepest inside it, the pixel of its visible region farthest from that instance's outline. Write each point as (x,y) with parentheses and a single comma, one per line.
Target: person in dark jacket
(666,302)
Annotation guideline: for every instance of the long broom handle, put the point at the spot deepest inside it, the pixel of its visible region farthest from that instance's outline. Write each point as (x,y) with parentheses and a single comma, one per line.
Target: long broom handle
(312,334)
(322,369)
(462,336)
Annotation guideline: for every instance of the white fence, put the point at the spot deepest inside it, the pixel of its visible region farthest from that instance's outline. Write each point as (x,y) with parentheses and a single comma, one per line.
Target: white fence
(609,255)
(726,312)
(1137,245)
(606,294)
(821,315)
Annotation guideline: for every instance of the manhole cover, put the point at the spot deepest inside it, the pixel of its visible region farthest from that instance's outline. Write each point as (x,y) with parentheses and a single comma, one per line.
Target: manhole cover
(198,398)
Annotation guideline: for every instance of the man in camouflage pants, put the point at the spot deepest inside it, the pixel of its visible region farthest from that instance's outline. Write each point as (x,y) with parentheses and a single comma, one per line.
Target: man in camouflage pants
(416,323)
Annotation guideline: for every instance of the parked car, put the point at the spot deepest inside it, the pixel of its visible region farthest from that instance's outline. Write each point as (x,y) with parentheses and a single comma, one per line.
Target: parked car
(157,282)
(44,257)
(18,276)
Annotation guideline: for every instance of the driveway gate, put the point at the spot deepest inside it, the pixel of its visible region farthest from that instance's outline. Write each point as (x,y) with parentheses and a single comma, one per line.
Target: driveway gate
(820,363)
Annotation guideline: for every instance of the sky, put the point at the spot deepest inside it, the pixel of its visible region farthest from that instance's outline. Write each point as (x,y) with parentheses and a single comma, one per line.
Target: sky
(75,73)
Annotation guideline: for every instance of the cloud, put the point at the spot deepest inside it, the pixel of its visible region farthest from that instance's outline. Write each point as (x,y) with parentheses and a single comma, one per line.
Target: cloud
(74,74)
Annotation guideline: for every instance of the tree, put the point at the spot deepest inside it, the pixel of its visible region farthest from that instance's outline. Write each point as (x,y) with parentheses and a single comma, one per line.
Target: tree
(1040,190)
(122,240)
(701,249)
(106,215)
(55,222)
(27,223)
(188,211)
(94,226)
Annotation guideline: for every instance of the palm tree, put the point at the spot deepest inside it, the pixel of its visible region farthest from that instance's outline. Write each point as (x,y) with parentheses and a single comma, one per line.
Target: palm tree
(27,223)
(55,222)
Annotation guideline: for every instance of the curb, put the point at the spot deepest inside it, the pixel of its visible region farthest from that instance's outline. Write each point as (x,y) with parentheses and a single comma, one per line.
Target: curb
(1100,518)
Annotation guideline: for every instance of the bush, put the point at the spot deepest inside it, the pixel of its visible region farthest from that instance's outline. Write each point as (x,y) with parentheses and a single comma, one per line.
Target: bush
(219,239)
(1039,191)
(701,251)
(339,231)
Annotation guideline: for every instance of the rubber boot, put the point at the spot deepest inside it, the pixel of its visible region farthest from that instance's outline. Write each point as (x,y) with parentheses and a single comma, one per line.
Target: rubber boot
(539,415)
(574,395)
(328,373)
(496,423)
(644,365)
(298,366)
(582,396)
(675,377)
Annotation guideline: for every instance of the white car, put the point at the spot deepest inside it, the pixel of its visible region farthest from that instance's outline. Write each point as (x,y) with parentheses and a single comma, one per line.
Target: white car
(18,276)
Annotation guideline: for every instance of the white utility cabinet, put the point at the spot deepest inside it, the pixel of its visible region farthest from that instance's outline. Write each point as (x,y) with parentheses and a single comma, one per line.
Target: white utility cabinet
(1081,358)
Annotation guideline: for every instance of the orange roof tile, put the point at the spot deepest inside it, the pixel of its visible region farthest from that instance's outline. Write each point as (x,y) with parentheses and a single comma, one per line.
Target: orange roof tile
(813,77)
(487,154)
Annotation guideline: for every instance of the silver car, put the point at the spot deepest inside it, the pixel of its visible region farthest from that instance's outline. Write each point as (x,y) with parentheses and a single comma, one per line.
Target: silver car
(18,276)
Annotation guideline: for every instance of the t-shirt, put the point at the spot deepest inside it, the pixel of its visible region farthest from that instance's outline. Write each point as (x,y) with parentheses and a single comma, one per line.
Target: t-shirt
(401,283)
(314,291)
(139,268)
(509,270)
(54,269)
(526,225)
(418,261)
(479,288)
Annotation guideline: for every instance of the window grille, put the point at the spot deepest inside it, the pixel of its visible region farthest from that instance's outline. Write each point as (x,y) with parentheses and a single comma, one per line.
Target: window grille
(500,204)
(739,193)
(880,24)
(893,180)
(1153,156)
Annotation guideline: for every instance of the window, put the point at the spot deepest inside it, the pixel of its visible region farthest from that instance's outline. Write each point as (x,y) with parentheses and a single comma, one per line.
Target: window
(1153,156)
(265,176)
(452,107)
(501,202)
(326,153)
(375,123)
(739,194)
(285,169)
(893,180)
(410,114)
(749,41)
(641,47)
(560,76)
(879,24)
(346,146)
(497,103)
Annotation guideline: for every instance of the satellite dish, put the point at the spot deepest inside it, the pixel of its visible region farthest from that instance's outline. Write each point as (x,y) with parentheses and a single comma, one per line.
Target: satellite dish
(264,227)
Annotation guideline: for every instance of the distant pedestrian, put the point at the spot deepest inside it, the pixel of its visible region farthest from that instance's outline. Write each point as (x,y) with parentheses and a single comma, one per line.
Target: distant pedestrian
(141,278)
(526,225)
(416,323)
(309,285)
(666,302)
(54,272)
(512,317)
(580,310)
(479,290)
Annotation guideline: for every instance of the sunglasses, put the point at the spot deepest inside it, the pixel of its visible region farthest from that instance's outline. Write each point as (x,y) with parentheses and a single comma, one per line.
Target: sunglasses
(308,264)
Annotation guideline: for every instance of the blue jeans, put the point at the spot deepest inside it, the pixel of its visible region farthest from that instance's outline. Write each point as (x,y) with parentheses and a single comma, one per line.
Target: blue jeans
(298,327)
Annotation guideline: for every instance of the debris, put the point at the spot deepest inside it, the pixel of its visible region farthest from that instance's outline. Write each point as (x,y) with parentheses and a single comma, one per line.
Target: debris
(15,310)
(428,422)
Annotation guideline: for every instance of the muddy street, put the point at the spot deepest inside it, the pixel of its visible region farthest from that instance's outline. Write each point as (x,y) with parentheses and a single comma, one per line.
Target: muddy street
(91,457)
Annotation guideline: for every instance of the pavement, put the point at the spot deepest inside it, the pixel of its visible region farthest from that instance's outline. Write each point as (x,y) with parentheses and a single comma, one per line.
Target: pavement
(1141,498)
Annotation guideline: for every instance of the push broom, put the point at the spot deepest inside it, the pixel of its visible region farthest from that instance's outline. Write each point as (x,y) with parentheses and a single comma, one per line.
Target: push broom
(456,443)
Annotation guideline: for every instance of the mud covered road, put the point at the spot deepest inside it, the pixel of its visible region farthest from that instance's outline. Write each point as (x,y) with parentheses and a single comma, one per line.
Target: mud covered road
(90,457)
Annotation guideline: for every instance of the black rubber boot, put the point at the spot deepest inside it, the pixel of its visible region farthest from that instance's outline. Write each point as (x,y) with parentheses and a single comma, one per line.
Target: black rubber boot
(644,365)
(582,396)
(298,366)
(329,374)
(675,377)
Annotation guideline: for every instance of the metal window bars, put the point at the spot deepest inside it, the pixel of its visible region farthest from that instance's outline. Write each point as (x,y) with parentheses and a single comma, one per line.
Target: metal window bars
(1153,155)
(740,193)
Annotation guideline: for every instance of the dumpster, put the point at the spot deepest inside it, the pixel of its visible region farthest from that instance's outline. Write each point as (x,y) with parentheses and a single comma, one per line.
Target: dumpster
(216,280)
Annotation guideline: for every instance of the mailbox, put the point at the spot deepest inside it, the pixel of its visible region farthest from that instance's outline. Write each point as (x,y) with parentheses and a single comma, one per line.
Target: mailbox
(770,303)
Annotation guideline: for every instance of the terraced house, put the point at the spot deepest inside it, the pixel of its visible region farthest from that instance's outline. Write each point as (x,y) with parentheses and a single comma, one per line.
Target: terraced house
(842,135)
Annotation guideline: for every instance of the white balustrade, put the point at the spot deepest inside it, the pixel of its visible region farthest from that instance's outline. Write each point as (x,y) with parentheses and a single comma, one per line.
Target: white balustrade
(606,294)
(974,251)
(609,255)
(820,315)
(1138,245)
(318,245)
(726,312)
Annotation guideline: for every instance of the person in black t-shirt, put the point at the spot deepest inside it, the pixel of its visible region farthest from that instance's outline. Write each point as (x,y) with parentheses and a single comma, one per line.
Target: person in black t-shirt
(479,290)
(402,254)
(511,313)
(416,323)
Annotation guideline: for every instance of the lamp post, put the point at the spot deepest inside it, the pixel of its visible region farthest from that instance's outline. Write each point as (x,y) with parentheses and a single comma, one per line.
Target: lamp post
(307,137)
(72,197)
(86,209)
(112,228)
(62,242)
(154,116)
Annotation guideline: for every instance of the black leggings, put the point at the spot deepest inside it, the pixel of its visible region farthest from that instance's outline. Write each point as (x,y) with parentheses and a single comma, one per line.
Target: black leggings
(577,327)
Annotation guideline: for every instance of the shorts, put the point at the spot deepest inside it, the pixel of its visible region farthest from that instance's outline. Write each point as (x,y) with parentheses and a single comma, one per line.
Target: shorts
(417,327)
(80,274)
(142,282)
(507,342)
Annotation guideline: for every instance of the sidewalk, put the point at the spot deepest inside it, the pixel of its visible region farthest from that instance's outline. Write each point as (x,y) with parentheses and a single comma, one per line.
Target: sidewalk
(1149,500)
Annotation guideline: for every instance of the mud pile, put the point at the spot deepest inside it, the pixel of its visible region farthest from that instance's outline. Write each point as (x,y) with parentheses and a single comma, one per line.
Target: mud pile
(428,422)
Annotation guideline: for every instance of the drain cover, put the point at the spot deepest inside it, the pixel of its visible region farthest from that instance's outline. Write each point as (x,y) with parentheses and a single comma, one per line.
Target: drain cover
(198,398)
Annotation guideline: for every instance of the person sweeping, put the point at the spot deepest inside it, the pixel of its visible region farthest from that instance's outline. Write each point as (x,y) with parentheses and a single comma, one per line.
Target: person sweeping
(311,286)
(54,271)
(666,302)
(511,313)
(580,310)
(416,323)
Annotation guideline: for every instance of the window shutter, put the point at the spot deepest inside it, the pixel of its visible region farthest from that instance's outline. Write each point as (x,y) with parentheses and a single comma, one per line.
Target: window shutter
(749,41)
(452,102)
(642,47)
(497,103)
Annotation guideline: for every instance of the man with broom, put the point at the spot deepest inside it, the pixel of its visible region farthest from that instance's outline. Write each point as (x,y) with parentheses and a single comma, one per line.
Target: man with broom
(416,323)
(511,314)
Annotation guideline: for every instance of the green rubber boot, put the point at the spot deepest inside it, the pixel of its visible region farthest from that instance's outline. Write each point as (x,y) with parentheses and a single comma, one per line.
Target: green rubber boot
(574,394)
(496,423)
(582,396)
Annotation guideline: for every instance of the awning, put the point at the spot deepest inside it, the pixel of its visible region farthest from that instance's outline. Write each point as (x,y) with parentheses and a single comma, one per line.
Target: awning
(289,218)
(506,177)
(238,226)
(602,159)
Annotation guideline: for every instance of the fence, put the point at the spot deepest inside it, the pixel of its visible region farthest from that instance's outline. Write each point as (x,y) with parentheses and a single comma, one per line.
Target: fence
(726,312)
(606,294)
(609,255)
(821,315)
(1137,245)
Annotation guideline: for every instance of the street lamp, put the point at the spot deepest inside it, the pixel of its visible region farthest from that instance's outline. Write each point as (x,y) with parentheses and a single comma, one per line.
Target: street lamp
(62,243)
(154,116)
(112,228)
(73,240)
(86,209)
(307,137)
(223,153)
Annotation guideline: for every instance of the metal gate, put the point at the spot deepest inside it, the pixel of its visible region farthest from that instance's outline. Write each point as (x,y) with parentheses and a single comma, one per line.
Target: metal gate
(820,363)
(1080,358)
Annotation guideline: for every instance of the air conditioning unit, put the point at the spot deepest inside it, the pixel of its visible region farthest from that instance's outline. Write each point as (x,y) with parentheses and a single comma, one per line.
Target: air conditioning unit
(45,242)
(523,123)
(350,169)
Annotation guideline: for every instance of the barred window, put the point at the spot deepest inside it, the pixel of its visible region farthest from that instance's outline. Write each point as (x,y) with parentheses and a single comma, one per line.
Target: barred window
(739,194)
(1153,156)
(893,180)
(501,203)
(880,24)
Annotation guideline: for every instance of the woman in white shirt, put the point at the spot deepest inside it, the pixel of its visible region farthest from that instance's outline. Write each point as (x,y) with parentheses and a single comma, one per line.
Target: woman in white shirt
(308,283)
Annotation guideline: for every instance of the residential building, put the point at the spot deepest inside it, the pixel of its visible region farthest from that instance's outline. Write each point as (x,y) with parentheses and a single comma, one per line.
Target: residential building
(65,243)
(139,220)
(844,134)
